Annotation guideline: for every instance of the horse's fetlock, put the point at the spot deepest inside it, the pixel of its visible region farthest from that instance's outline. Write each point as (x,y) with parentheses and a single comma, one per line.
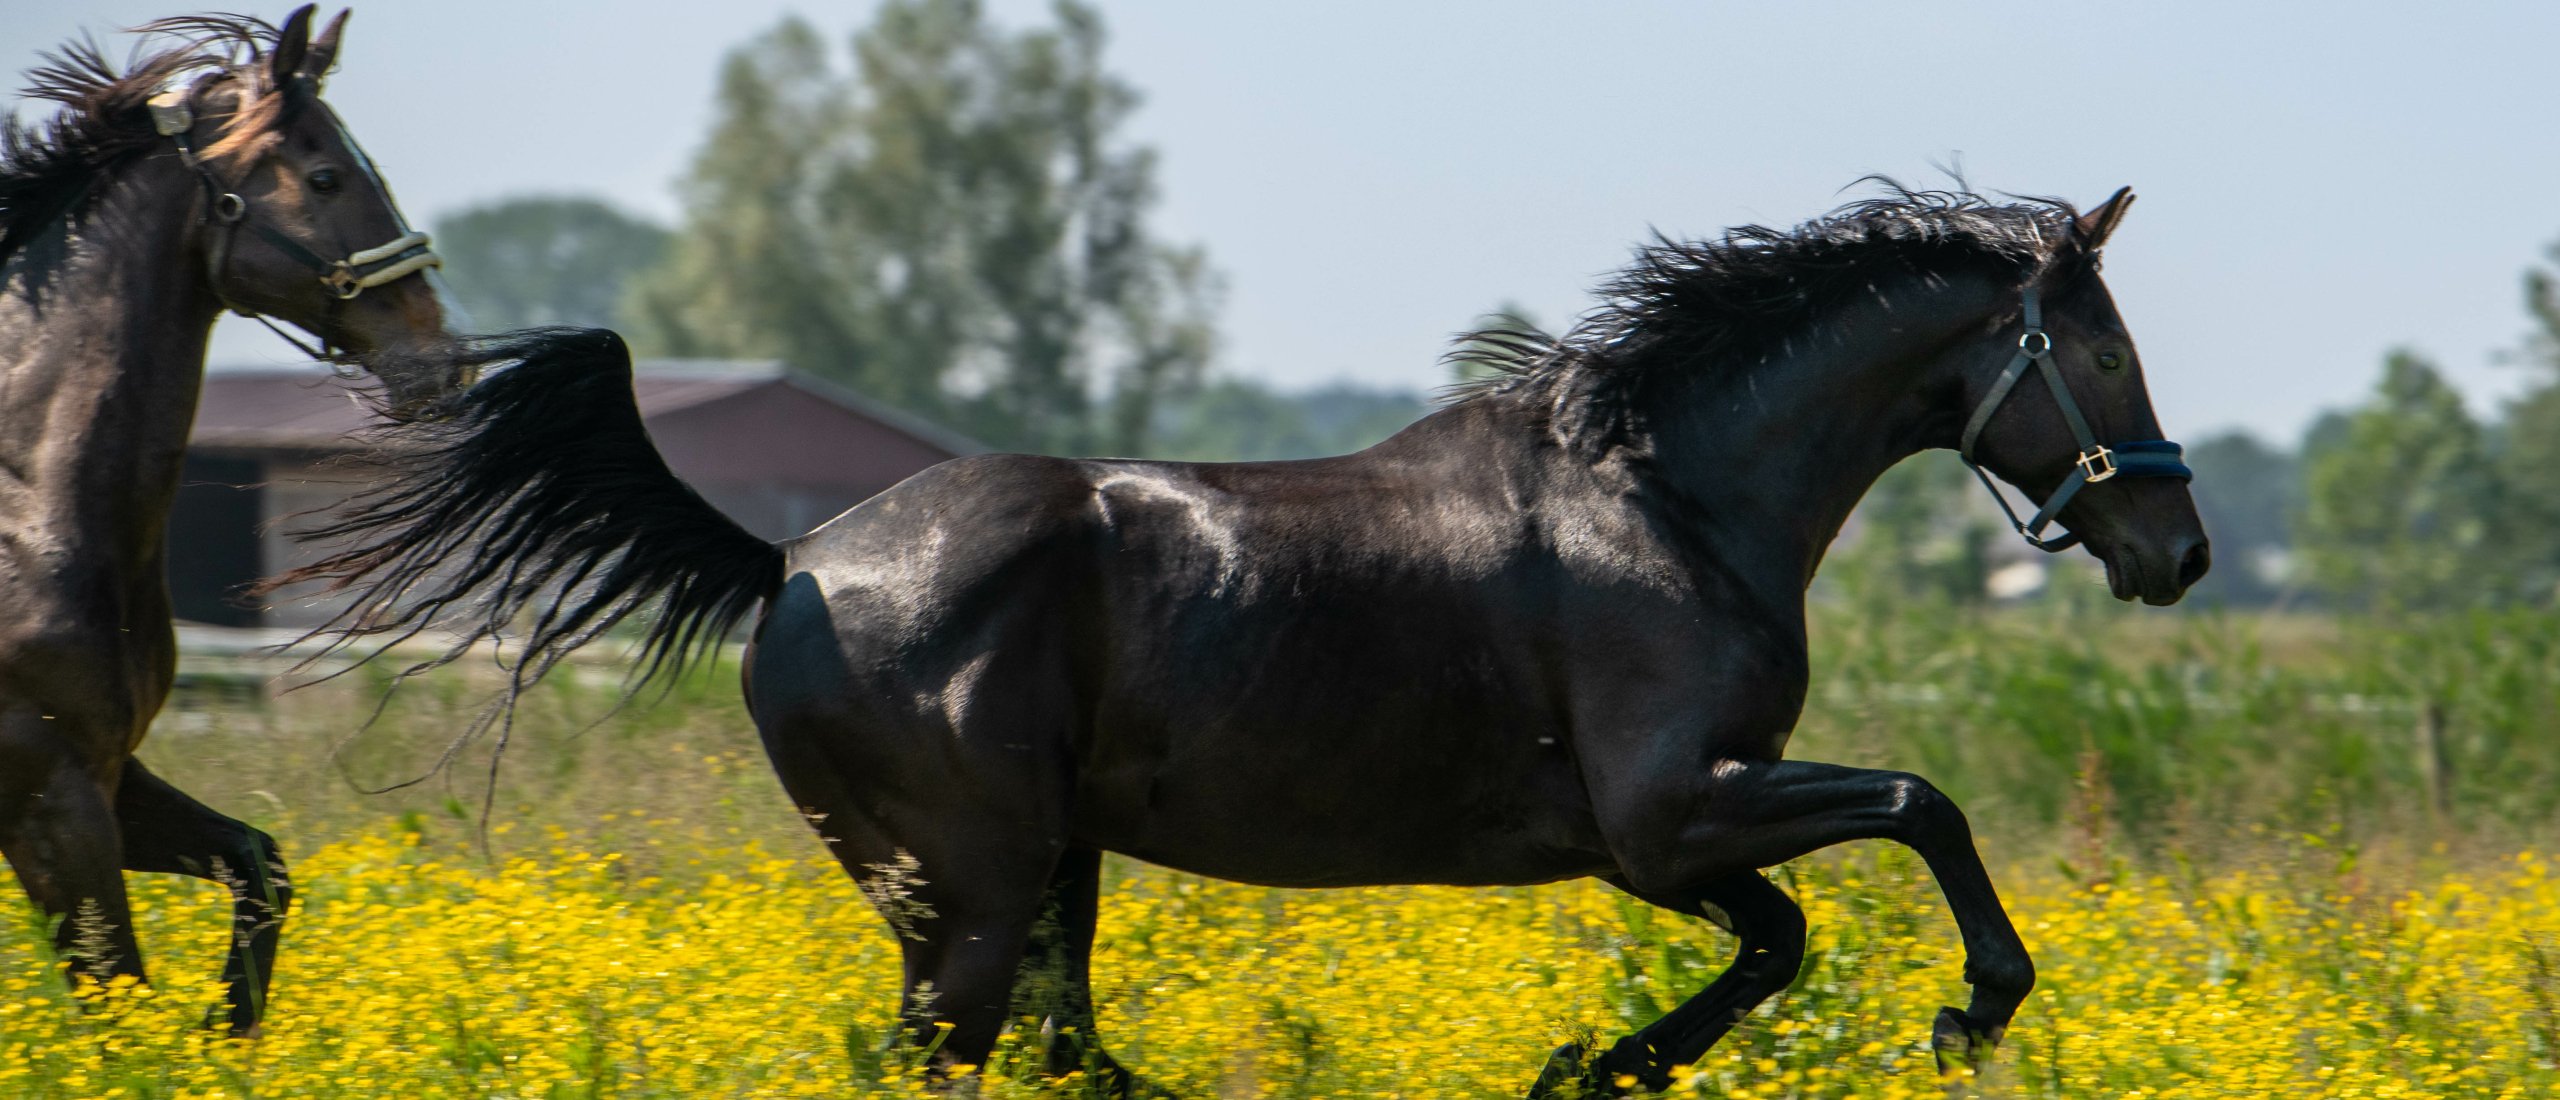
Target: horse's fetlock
(2009,978)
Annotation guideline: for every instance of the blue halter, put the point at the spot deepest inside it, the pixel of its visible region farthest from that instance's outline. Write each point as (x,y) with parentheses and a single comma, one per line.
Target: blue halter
(2097,462)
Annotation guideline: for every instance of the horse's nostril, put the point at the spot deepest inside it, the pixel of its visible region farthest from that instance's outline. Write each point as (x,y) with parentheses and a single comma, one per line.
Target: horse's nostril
(2191,568)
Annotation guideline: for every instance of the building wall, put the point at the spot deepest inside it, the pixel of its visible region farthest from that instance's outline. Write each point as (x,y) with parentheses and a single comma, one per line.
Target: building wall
(780,461)
(296,489)
(213,539)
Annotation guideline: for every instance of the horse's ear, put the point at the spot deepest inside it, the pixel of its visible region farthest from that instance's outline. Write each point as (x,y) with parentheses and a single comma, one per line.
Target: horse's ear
(324,49)
(293,44)
(2094,227)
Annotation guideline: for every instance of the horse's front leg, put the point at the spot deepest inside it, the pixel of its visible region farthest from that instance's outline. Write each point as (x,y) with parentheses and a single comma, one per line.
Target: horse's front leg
(58,830)
(1745,815)
(167,832)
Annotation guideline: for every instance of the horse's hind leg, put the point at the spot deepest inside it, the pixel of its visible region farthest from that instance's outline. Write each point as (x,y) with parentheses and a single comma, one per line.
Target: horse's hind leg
(961,961)
(166,832)
(1056,987)
(59,833)
(960,887)
(1772,932)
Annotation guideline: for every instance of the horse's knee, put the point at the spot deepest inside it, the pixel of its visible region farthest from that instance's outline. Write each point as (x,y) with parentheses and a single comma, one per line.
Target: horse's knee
(1922,811)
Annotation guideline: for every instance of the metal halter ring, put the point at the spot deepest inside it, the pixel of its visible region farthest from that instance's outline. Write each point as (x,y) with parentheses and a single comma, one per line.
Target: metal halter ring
(2098,462)
(2035,343)
(343,282)
(229,207)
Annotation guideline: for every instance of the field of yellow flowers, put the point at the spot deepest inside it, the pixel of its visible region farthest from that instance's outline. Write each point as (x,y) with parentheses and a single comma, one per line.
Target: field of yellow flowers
(2212,836)
(697,967)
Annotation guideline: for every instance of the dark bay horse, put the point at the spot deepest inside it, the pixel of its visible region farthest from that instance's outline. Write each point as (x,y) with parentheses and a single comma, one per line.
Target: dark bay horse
(1555,629)
(208,175)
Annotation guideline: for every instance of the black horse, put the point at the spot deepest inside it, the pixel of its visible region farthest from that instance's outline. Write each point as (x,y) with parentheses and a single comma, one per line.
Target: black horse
(207,175)
(1555,629)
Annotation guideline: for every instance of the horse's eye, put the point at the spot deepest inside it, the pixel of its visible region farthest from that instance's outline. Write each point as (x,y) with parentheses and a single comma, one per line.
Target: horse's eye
(2108,360)
(325,181)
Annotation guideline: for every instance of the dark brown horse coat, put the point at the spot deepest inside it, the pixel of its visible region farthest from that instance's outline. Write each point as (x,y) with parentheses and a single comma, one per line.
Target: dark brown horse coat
(115,258)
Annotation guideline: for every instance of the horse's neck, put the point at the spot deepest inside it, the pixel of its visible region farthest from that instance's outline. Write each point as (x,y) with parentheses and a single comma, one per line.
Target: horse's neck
(102,343)
(1776,454)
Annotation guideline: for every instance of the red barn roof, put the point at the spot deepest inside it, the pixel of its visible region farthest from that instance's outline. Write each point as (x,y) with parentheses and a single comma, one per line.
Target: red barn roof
(312,410)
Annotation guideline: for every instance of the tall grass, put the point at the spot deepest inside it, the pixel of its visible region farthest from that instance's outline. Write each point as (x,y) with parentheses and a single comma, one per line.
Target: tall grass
(2434,730)
(2048,723)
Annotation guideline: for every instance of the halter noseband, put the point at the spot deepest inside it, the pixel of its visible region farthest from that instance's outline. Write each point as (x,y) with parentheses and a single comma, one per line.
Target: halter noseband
(2097,462)
(344,279)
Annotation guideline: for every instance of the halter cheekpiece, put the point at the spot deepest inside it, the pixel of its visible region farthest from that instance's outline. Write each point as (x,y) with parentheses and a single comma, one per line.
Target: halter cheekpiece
(2096,462)
(344,279)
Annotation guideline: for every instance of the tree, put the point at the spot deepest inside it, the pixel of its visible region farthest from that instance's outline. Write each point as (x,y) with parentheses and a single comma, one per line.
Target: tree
(1473,359)
(1917,536)
(951,225)
(552,260)
(2246,492)
(1233,420)
(2529,458)
(2402,513)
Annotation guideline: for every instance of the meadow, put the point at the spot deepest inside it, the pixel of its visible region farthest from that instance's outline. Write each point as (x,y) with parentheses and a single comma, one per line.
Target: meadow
(2252,854)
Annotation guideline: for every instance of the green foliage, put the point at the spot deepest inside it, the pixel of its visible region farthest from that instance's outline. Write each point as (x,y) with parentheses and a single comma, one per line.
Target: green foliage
(2405,511)
(2191,725)
(2530,459)
(952,225)
(2247,493)
(1231,420)
(1917,538)
(547,260)
(1467,364)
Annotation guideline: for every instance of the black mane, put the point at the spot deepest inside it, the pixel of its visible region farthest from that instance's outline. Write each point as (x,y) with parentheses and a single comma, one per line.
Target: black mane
(1733,299)
(49,169)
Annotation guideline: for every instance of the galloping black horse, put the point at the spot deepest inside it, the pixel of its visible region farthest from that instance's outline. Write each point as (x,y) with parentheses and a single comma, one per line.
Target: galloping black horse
(208,175)
(1555,629)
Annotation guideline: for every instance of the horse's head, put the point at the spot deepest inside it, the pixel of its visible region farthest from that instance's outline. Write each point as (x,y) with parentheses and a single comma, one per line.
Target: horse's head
(297,223)
(2059,409)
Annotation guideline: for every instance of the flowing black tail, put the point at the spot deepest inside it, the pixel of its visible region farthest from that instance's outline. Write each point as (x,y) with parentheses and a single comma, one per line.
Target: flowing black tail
(534,504)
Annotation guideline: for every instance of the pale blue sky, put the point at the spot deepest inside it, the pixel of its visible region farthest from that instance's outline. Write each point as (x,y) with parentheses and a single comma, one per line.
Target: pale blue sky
(2319,181)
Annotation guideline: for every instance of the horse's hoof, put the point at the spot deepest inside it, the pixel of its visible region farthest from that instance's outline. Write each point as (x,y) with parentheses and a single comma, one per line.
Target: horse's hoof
(1572,1075)
(1565,1076)
(1960,1043)
(1071,1052)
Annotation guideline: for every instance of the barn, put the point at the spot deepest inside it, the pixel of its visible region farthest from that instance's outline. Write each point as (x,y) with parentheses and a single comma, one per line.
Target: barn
(777,449)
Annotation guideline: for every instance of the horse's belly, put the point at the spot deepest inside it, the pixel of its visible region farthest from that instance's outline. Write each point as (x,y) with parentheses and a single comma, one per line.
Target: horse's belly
(1347,811)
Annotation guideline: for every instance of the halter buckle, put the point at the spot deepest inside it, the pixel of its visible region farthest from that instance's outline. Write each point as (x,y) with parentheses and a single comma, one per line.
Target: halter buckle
(2099,463)
(343,282)
(170,114)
